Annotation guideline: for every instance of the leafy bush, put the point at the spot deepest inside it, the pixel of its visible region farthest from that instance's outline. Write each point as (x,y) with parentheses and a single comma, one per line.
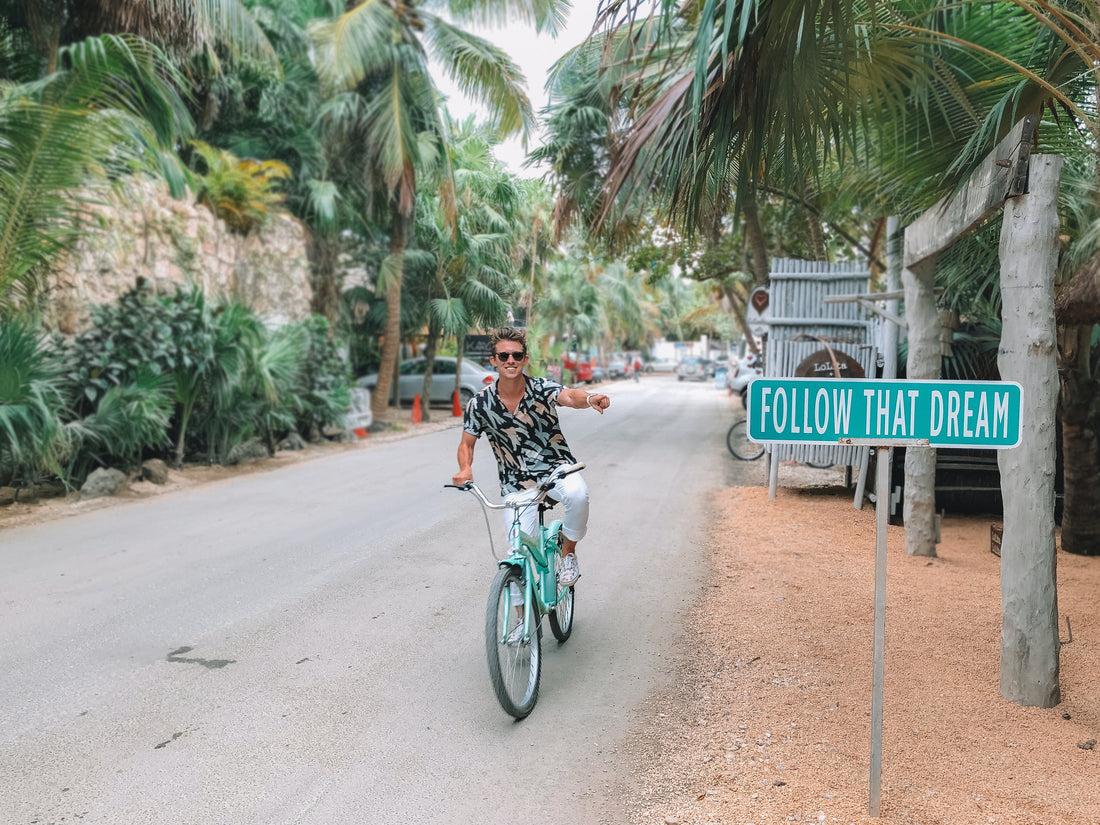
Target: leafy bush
(139,332)
(324,389)
(129,419)
(31,402)
(240,192)
(147,367)
(251,391)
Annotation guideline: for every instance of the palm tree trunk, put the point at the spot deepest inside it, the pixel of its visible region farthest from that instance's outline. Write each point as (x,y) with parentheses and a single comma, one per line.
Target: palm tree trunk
(44,20)
(923,362)
(1081,459)
(429,368)
(739,316)
(324,251)
(813,224)
(754,236)
(391,341)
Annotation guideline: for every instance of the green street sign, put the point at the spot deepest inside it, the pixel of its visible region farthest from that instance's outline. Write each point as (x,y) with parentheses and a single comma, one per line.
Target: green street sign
(871,411)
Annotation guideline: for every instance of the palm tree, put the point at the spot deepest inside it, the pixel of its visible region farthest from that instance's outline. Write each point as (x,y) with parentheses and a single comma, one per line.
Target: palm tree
(111,104)
(471,277)
(31,401)
(570,309)
(735,96)
(183,27)
(375,58)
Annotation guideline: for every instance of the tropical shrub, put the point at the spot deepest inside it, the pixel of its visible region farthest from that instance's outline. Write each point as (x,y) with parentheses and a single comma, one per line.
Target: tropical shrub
(250,392)
(242,192)
(128,420)
(324,387)
(31,402)
(148,366)
(139,332)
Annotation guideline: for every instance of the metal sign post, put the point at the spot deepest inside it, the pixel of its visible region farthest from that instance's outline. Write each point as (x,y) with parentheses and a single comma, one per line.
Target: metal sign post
(883,414)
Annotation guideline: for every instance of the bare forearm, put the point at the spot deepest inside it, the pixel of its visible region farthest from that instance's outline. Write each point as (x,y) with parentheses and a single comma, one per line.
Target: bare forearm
(465,456)
(465,460)
(581,400)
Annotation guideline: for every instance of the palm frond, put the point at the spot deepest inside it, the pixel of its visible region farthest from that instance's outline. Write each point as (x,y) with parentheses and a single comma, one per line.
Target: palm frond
(486,73)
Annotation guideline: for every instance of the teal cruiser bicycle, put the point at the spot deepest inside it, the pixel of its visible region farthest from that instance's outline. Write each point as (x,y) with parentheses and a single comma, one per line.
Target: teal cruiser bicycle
(524,590)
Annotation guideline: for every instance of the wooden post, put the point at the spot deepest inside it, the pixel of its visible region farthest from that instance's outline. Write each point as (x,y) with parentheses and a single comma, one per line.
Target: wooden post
(1002,174)
(923,362)
(1029,591)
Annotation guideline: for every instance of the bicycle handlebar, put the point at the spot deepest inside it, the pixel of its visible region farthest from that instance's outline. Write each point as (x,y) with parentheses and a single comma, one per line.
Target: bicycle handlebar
(544,487)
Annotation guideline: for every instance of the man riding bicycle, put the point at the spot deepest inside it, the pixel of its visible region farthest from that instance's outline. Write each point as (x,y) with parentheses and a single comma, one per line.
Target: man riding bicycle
(519,416)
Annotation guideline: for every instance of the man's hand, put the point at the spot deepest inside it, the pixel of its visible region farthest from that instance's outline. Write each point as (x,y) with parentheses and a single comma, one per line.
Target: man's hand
(598,402)
(462,476)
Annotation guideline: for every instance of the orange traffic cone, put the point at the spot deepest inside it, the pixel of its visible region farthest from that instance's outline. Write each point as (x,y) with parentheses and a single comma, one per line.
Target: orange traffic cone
(416,409)
(456,405)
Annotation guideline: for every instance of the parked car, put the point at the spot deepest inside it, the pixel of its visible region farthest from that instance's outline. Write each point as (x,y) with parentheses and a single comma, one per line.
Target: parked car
(410,381)
(617,368)
(582,372)
(660,365)
(744,374)
(599,372)
(692,369)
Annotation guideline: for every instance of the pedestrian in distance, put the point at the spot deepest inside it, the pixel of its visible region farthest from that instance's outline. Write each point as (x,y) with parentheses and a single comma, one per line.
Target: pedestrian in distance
(519,416)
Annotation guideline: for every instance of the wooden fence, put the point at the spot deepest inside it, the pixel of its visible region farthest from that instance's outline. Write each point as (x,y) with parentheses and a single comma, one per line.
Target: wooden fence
(802,324)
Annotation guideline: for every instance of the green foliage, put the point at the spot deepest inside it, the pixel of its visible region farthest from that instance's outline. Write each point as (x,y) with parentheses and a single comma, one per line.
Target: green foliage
(111,107)
(149,366)
(242,192)
(31,402)
(129,419)
(324,385)
(169,335)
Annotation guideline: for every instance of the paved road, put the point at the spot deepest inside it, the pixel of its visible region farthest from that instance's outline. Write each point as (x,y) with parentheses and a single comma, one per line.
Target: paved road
(305,646)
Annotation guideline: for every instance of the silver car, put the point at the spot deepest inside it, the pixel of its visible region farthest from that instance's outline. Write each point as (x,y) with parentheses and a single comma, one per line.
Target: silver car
(692,369)
(410,381)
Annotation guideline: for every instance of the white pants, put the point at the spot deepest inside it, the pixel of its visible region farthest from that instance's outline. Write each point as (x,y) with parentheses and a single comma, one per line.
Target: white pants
(571,491)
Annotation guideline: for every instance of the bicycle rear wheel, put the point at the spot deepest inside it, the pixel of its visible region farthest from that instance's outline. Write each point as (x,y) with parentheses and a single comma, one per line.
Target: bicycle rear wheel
(737,439)
(514,666)
(561,614)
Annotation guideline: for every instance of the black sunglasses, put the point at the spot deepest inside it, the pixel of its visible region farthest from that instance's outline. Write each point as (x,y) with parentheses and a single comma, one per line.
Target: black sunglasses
(504,356)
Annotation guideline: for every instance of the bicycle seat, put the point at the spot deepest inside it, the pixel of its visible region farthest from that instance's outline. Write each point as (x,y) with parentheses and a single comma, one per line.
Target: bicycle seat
(548,503)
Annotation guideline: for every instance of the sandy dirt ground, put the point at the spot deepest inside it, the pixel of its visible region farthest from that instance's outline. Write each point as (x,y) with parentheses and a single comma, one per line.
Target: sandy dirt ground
(769,718)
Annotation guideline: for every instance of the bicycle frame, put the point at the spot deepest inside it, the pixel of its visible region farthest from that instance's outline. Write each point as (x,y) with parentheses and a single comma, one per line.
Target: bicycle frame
(534,555)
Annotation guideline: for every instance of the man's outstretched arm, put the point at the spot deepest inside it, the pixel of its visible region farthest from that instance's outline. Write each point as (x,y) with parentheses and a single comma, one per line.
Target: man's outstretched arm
(580,399)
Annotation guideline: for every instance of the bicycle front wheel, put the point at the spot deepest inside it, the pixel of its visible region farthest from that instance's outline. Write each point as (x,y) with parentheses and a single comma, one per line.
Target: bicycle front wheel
(515,660)
(737,439)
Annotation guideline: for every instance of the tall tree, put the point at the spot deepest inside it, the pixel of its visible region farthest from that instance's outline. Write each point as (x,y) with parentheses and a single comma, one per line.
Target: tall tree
(375,58)
(183,27)
(470,277)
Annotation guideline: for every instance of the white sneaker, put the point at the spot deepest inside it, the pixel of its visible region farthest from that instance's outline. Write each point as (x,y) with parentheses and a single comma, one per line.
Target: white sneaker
(515,635)
(569,571)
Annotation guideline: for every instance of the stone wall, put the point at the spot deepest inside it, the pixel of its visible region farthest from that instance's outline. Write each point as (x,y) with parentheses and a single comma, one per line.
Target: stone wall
(141,231)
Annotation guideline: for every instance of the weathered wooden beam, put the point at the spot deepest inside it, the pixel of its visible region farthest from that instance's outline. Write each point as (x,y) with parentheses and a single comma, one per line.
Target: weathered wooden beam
(1002,175)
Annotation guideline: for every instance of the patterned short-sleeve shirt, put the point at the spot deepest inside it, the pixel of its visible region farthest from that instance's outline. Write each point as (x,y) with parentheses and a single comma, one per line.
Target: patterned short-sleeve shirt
(528,443)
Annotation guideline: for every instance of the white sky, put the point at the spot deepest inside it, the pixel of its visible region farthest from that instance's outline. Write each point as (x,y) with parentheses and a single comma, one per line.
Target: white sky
(535,54)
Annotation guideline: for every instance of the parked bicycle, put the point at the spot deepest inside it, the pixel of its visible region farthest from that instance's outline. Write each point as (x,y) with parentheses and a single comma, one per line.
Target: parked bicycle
(524,589)
(737,439)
